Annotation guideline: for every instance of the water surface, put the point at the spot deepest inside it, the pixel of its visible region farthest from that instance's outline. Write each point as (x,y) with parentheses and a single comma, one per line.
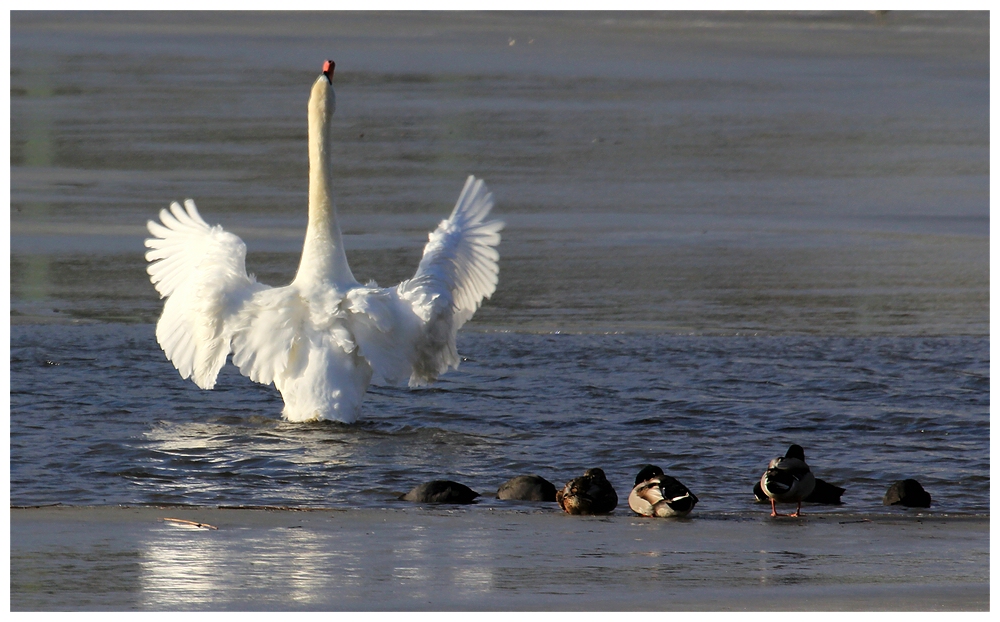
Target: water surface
(98,415)
(786,173)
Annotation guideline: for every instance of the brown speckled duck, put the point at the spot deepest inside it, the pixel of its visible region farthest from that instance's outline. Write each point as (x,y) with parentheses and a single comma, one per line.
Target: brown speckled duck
(591,493)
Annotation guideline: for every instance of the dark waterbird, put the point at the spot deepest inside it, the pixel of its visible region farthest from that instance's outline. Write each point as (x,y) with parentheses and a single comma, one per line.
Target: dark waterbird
(527,488)
(441,491)
(908,493)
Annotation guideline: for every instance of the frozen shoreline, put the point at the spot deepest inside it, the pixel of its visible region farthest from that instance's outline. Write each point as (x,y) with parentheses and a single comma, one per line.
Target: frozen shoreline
(456,558)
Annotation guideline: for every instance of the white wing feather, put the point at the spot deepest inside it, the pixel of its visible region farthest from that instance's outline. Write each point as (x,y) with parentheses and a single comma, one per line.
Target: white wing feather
(267,334)
(410,330)
(201,270)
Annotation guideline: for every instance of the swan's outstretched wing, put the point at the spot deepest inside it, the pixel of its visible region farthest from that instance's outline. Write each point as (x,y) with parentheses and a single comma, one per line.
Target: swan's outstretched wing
(410,329)
(201,271)
(460,259)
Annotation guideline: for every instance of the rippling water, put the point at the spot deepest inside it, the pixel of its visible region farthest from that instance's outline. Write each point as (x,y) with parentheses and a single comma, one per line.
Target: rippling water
(99,416)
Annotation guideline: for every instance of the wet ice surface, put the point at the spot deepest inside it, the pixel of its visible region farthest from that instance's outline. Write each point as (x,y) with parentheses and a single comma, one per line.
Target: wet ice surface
(456,559)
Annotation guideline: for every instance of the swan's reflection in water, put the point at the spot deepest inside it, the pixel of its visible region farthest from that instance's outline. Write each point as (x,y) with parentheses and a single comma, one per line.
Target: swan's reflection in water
(311,562)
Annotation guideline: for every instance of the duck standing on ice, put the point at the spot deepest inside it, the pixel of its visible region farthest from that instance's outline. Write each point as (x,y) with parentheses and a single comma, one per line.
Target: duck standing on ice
(321,338)
(788,479)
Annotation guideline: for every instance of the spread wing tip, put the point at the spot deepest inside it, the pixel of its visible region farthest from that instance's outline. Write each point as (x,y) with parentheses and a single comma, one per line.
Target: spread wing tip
(474,202)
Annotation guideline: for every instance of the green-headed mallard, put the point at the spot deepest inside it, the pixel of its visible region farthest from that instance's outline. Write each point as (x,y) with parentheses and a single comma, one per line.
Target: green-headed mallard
(656,494)
(788,480)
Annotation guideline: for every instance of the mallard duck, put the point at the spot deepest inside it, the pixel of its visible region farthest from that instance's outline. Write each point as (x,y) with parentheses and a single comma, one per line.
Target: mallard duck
(441,491)
(788,480)
(824,492)
(527,488)
(591,493)
(908,493)
(656,494)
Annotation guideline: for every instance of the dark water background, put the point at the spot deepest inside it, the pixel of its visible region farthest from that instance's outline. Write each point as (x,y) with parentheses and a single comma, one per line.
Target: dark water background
(98,416)
(725,233)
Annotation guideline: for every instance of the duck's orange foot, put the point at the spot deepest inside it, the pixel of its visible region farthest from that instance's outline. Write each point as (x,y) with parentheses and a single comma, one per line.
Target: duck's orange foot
(774,510)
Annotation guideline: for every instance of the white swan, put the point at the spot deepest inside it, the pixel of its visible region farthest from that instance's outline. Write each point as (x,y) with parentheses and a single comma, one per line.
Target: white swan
(321,338)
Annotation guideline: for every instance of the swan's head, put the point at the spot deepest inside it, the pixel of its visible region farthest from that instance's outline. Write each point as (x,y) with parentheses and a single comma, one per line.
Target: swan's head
(322,100)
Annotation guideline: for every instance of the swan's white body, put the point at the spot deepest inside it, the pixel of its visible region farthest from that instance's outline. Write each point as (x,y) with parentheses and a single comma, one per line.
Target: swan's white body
(321,338)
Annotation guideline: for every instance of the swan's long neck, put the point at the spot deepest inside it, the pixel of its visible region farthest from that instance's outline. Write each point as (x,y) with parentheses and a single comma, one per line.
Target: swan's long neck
(323,259)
